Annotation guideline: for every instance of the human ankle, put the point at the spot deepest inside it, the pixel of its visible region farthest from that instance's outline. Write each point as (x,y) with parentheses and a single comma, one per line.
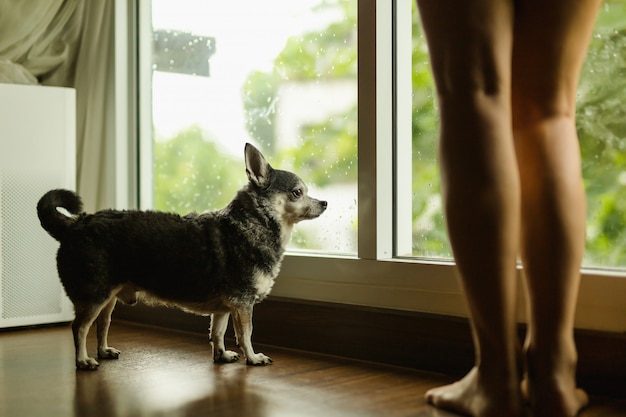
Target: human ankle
(550,355)
(504,364)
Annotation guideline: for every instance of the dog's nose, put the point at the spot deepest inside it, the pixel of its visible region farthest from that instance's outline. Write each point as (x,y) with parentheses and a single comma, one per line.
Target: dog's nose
(324,204)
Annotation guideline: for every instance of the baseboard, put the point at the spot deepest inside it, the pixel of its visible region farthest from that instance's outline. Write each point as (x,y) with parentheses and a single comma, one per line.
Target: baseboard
(427,342)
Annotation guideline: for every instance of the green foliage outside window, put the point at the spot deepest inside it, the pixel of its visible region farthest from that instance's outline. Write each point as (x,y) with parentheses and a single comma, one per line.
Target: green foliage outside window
(192,174)
(601,117)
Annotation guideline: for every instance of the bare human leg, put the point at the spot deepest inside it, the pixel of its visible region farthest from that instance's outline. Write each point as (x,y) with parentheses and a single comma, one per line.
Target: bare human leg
(470,46)
(553,240)
(549,49)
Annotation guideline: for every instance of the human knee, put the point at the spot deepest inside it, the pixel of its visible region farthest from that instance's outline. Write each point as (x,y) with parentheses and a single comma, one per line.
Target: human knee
(537,107)
(472,91)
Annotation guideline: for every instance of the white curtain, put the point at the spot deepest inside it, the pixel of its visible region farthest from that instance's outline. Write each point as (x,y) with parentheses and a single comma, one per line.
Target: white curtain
(95,104)
(38,40)
(69,43)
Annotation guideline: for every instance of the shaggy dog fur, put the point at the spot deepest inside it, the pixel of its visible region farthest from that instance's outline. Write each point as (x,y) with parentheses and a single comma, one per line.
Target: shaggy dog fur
(217,263)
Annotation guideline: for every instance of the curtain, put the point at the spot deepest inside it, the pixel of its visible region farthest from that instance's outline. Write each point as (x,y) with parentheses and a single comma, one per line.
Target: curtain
(95,105)
(38,41)
(69,43)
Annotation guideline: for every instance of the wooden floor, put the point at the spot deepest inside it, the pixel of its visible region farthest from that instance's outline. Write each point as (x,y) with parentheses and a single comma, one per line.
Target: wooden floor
(163,373)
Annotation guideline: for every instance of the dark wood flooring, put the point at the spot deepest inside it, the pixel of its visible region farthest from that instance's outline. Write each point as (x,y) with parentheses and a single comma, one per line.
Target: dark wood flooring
(166,373)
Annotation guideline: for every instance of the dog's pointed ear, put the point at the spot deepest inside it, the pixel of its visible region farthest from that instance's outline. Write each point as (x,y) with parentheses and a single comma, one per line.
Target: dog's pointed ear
(257,168)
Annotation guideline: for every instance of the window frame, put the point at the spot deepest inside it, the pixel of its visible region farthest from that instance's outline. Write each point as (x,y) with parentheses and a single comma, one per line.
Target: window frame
(373,277)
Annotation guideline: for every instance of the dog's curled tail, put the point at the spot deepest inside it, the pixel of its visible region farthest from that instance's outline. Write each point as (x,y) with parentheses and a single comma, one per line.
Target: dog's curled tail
(56,223)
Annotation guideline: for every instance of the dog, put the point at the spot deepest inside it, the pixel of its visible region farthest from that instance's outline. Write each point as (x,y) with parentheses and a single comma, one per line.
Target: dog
(217,263)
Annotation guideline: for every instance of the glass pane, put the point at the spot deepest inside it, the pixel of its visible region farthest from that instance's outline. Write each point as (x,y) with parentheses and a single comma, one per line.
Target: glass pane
(602,132)
(430,238)
(280,74)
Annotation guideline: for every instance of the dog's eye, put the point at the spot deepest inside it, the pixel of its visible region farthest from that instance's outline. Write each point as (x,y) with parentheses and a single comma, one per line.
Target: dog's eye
(297,193)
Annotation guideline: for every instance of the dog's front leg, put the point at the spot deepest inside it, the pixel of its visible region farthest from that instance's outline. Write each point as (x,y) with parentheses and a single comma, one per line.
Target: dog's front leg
(219,323)
(103,323)
(242,320)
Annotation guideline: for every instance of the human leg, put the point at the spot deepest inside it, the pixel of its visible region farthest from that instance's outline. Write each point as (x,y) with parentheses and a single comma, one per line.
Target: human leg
(470,48)
(549,48)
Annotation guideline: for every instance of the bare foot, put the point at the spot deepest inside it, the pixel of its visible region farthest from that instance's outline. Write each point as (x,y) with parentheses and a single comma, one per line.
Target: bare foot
(478,397)
(550,385)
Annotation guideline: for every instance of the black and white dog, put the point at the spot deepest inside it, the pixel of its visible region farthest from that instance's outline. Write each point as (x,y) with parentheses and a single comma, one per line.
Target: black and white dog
(217,263)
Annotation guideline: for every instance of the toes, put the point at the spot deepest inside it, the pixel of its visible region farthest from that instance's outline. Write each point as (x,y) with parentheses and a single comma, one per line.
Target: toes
(434,395)
(429,396)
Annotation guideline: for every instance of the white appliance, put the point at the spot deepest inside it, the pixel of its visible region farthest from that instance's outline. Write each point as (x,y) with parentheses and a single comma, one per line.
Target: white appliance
(37,154)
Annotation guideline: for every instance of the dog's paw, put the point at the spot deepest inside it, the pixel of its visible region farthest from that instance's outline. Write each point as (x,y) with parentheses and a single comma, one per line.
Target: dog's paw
(89,364)
(109,353)
(226,356)
(258,359)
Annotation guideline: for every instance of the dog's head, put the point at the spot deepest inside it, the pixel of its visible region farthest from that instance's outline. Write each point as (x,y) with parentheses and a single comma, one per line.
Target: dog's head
(287,193)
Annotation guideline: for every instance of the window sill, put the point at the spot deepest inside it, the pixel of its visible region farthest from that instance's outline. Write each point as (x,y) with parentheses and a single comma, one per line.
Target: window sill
(430,287)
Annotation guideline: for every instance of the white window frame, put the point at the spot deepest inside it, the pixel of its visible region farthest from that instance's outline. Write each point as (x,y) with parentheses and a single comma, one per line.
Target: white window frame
(374,277)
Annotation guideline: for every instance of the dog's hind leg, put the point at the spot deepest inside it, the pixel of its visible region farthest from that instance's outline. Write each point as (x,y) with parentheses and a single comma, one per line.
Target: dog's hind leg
(85,316)
(219,323)
(242,321)
(102,323)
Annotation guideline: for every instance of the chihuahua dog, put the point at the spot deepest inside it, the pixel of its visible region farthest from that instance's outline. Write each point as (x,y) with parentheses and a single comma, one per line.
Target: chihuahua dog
(219,263)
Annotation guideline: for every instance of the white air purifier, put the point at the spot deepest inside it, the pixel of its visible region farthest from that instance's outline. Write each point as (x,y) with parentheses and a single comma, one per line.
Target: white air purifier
(37,154)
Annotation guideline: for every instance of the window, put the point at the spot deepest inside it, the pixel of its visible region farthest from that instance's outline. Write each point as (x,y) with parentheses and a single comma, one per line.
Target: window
(280,74)
(283,74)
(602,131)
(421,227)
